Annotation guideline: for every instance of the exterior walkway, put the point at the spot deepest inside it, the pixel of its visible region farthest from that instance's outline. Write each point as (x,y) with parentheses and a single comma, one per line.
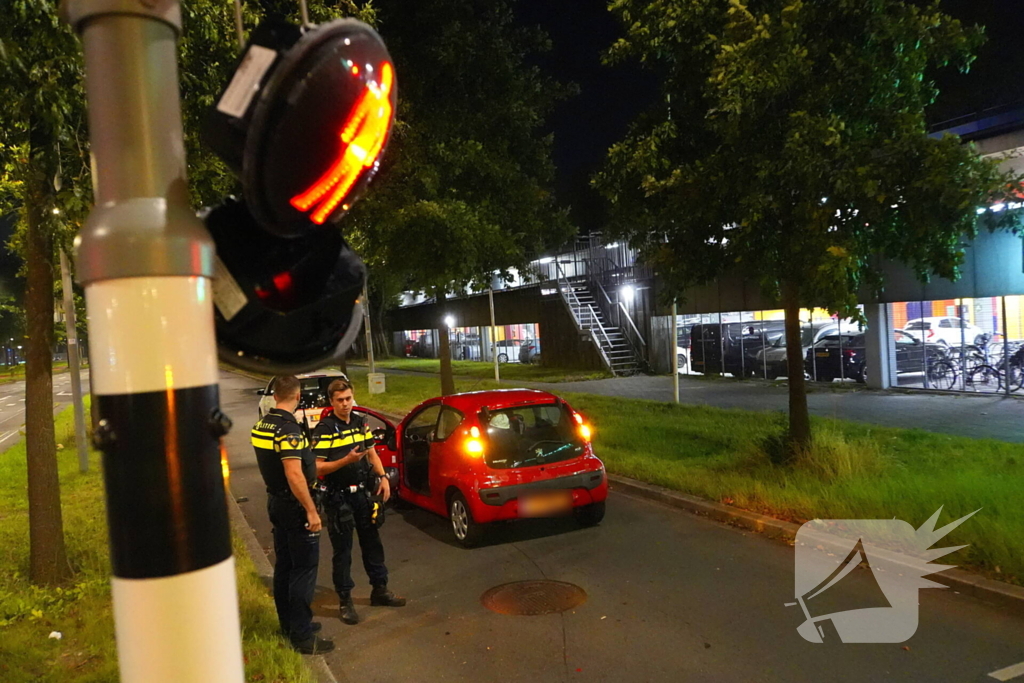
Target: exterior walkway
(973,415)
(978,416)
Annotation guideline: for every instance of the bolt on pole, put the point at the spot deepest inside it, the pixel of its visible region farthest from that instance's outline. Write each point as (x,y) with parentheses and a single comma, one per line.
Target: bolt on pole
(146,263)
(74,366)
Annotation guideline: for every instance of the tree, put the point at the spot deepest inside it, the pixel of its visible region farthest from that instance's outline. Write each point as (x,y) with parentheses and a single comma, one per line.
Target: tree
(462,194)
(791,147)
(44,180)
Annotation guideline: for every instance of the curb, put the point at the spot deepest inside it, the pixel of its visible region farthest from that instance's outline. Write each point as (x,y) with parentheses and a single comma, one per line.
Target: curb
(995,593)
(317,664)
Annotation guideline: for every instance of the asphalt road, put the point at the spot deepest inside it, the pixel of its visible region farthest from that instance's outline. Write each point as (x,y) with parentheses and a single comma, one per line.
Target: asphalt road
(670,597)
(12,405)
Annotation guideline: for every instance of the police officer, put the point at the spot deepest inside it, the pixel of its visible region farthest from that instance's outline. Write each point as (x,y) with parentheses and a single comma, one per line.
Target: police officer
(289,470)
(345,458)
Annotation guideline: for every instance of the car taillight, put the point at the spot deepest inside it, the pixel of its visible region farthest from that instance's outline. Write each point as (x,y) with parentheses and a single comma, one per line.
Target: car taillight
(931,333)
(585,432)
(578,418)
(473,445)
(849,353)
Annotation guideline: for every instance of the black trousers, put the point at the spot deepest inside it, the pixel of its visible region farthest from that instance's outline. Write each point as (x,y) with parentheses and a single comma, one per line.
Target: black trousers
(298,553)
(370,545)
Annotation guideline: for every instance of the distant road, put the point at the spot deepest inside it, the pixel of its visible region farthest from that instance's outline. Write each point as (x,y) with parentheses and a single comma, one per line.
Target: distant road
(12,405)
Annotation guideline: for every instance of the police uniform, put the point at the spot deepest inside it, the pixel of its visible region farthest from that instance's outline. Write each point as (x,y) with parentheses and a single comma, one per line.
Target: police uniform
(347,503)
(276,438)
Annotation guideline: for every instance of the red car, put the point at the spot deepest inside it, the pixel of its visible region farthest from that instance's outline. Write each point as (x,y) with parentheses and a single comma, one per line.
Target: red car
(492,456)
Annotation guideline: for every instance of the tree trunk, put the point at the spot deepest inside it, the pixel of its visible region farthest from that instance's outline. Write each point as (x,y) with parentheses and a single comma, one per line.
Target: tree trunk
(48,562)
(444,348)
(799,418)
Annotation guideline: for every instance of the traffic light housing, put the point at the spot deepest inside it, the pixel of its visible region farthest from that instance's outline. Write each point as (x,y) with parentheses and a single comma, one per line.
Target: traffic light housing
(303,122)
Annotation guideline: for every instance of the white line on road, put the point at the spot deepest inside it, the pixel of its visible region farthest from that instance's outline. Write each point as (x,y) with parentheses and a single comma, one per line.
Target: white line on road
(1009,672)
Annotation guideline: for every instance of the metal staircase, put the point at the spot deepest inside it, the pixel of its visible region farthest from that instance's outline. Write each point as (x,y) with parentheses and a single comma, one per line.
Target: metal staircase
(617,350)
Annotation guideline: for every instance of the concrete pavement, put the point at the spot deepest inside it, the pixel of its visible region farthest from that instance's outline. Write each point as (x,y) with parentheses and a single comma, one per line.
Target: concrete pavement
(671,597)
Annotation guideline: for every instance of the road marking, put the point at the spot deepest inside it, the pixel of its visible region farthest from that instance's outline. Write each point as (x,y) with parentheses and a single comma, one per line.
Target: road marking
(1009,672)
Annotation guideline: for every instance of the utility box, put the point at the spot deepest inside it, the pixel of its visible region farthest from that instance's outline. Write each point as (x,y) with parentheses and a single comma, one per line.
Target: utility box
(376,380)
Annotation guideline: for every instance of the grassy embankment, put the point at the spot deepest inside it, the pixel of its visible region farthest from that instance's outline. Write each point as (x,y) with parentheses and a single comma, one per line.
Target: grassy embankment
(855,470)
(480,370)
(81,609)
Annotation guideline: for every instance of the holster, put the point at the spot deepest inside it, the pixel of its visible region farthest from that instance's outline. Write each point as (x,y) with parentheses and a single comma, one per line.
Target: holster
(340,515)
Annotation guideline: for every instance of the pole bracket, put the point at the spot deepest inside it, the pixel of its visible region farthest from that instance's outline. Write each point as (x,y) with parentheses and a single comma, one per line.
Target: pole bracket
(75,12)
(143,237)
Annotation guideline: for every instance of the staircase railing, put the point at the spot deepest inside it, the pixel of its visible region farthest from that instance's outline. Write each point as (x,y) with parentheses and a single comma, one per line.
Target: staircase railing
(592,324)
(616,310)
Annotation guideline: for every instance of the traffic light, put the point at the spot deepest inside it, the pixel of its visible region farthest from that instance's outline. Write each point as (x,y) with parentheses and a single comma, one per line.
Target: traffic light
(303,122)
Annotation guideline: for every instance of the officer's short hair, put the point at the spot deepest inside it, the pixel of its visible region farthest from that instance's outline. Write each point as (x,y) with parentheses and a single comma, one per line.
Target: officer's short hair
(338,385)
(285,387)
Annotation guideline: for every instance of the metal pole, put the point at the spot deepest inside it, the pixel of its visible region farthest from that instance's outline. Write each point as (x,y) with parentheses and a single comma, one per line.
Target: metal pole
(1006,356)
(146,263)
(494,341)
(73,365)
(366,326)
(675,354)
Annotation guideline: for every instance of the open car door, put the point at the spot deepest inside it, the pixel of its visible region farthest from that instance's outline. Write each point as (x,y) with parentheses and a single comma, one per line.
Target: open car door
(385,443)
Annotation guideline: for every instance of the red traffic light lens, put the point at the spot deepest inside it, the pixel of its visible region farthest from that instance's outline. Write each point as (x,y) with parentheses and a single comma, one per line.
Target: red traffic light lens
(362,140)
(305,121)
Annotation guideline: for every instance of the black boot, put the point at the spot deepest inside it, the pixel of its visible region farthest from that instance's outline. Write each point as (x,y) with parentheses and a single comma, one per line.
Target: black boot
(314,628)
(382,597)
(348,610)
(315,645)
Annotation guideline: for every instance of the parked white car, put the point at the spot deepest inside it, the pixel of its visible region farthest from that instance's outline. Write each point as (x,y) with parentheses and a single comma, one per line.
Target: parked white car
(683,356)
(948,330)
(314,396)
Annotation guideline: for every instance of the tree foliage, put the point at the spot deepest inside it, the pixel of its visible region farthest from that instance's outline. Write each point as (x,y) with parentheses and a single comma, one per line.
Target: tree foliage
(791,146)
(464,188)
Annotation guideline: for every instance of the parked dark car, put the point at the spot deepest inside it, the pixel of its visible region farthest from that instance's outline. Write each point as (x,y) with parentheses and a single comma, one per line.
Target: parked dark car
(772,362)
(731,347)
(844,356)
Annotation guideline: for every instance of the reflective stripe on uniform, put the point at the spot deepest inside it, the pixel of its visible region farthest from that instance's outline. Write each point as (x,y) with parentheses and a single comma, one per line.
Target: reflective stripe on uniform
(259,442)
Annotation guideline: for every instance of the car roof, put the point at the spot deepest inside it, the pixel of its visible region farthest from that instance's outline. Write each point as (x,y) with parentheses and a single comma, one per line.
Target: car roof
(496,399)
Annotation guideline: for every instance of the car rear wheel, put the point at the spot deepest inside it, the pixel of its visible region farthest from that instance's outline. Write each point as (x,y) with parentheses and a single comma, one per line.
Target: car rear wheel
(467,532)
(502,357)
(590,515)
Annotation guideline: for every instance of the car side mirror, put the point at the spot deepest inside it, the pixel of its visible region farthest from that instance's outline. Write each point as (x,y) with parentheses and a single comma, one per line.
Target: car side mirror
(261,392)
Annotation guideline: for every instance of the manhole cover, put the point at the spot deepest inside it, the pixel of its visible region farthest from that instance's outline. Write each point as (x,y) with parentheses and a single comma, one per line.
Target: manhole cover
(530,598)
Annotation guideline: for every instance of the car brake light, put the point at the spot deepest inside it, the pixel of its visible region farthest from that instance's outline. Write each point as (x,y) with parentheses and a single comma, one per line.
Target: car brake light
(849,353)
(931,333)
(585,432)
(578,418)
(473,445)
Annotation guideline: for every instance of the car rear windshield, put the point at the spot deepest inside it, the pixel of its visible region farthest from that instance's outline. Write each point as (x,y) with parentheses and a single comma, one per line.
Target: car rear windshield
(314,390)
(535,434)
(919,325)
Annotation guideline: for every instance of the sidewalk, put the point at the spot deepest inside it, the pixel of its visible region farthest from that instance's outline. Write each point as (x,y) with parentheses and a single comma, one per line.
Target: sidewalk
(976,416)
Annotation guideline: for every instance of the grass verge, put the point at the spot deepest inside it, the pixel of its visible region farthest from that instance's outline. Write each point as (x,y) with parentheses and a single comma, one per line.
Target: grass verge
(854,470)
(81,610)
(480,370)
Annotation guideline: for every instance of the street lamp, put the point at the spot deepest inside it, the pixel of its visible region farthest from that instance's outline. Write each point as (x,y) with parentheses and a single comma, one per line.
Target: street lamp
(627,292)
(449,321)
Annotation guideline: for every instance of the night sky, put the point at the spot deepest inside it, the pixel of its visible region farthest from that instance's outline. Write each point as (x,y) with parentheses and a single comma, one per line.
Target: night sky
(586,126)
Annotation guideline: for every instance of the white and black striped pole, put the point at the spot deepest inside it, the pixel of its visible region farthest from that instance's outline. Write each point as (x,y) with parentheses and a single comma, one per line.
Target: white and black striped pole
(146,263)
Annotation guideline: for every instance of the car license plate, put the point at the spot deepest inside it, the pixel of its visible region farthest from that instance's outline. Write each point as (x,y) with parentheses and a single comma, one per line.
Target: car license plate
(822,354)
(545,504)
